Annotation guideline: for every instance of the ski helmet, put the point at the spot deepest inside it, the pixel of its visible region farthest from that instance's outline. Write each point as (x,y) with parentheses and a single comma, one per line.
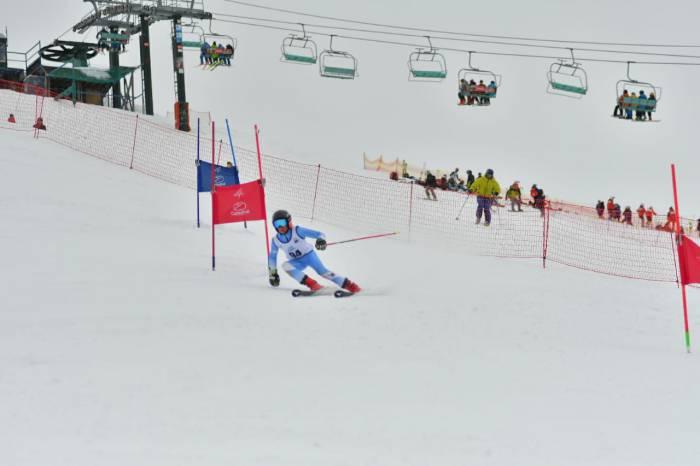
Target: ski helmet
(281,215)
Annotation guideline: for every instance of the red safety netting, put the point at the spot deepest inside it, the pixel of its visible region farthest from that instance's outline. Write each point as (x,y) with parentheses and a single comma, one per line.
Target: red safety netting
(567,234)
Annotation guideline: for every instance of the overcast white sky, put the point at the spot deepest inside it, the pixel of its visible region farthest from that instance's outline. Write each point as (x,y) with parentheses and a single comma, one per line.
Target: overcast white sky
(573,149)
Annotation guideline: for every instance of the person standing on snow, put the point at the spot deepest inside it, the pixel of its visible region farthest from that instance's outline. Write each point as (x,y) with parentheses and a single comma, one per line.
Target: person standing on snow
(641,211)
(301,255)
(515,197)
(650,212)
(486,189)
(470,179)
(430,185)
(600,209)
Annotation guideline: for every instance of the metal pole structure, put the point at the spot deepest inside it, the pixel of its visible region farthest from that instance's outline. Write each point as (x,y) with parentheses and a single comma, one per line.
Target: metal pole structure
(313,206)
(179,69)
(410,207)
(145,49)
(257,144)
(198,184)
(114,66)
(230,143)
(213,191)
(679,238)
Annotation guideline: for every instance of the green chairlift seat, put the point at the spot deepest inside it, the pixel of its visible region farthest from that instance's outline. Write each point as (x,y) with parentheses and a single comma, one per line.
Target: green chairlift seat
(568,88)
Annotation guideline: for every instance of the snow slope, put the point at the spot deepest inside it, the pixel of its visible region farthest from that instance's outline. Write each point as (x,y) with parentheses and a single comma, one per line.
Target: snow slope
(119,345)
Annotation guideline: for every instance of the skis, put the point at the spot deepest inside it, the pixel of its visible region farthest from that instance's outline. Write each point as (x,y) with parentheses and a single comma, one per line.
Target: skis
(305,293)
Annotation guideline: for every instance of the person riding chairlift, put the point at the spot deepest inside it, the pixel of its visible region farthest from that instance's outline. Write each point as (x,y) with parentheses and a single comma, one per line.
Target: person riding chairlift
(619,108)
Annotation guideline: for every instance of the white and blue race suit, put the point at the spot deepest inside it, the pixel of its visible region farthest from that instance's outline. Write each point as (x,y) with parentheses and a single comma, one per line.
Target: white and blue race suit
(300,254)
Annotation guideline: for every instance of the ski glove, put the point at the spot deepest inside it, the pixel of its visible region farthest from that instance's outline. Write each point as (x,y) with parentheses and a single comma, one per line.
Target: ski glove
(274,278)
(321,244)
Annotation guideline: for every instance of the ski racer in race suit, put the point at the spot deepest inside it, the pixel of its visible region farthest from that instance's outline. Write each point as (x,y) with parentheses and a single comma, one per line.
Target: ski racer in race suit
(292,240)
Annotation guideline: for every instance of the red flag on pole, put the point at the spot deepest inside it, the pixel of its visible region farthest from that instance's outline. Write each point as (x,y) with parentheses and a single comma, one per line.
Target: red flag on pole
(689,259)
(239,203)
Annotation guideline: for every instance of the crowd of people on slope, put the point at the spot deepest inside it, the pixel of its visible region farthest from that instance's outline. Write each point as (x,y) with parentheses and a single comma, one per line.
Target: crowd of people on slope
(215,54)
(640,111)
(471,93)
(644,214)
(487,191)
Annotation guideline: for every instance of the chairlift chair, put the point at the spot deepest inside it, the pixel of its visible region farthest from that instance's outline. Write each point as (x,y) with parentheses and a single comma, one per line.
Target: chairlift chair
(567,79)
(427,64)
(478,75)
(112,41)
(211,37)
(635,103)
(337,64)
(194,39)
(300,50)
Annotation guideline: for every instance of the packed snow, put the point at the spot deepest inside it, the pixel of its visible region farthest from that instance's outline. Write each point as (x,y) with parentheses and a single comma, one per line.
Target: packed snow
(120,346)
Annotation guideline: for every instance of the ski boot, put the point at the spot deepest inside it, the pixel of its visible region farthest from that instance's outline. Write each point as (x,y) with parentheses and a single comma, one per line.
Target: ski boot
(351,286)
(311,283)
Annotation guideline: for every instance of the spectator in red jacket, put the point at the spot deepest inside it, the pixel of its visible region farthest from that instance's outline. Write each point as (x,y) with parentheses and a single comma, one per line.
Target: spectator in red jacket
(671,219)
(649,214)
(611,208)
(641,211)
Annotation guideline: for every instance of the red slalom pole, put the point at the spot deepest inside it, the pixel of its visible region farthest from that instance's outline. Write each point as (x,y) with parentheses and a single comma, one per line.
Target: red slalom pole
(213,188)
(363,238)
(257,144)
(681,259)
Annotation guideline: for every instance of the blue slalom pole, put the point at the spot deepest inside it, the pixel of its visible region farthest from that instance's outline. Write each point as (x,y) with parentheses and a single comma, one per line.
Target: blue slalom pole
(198,187)
(230,143)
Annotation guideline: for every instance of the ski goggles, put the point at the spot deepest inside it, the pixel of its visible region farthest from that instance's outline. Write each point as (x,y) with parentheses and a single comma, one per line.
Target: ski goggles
(280,223)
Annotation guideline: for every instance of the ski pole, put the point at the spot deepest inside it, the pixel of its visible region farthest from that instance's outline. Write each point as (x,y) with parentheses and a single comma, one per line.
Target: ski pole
(462,208)
(362,238)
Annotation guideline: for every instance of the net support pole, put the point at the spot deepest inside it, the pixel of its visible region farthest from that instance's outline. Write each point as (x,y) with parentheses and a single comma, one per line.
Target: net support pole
(133,146)
(545,235)
(213,189)
(313,206)
(410,207)
(681,259)
(260,172)
(198,185)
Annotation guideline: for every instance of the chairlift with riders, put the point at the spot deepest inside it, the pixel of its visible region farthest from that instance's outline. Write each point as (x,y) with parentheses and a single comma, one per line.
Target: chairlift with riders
(427,65)
(637,99)
(477,86)
(567,79)
(300,50)
(112,41)
(337,64)
(221,54)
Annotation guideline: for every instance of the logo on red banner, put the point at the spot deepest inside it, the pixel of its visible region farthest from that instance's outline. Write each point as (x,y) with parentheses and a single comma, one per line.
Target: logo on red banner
(239,203)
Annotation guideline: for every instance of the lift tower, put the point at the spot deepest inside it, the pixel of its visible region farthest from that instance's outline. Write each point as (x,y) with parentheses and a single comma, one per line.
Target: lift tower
(134,17)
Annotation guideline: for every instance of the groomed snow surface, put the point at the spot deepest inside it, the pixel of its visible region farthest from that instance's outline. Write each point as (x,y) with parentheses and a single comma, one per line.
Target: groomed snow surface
(119,346)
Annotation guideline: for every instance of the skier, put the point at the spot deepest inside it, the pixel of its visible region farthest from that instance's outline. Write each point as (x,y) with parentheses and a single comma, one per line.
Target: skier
(291,239)
(486,189)
(11,119)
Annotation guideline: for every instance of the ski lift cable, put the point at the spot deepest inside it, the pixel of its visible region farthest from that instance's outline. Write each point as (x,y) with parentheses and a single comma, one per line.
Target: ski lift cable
(439,31)
(491,42)
(450,49)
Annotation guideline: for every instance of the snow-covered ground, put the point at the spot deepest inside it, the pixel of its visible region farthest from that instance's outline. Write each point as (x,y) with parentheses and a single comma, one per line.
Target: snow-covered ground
(119,346)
